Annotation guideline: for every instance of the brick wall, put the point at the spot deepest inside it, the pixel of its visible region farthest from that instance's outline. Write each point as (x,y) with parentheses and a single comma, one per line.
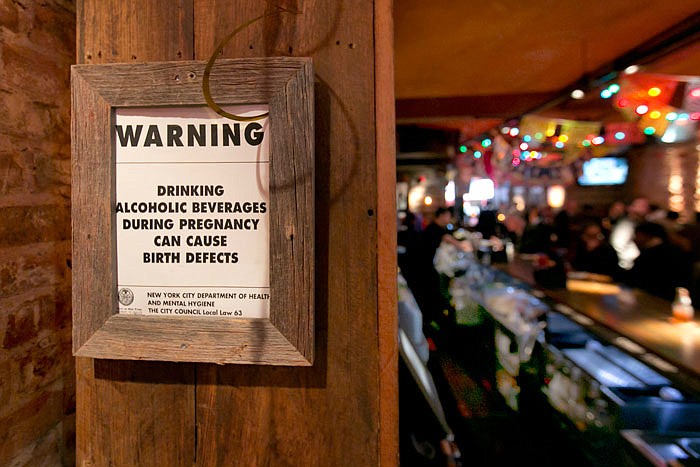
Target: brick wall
(37,382)
(667,174)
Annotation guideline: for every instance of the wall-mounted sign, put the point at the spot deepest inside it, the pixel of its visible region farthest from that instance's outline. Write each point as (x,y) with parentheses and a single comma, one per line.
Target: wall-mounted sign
(192,215)
(193,228)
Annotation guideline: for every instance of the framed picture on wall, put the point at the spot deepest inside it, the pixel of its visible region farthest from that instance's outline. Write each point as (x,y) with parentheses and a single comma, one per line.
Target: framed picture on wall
(193,211)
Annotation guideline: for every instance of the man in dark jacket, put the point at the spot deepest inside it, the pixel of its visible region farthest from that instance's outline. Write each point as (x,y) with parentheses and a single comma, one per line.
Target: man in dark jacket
(661,266)
(594,254)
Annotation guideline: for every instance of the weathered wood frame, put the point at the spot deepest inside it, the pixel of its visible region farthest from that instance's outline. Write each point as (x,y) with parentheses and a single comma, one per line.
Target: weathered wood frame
(285,84)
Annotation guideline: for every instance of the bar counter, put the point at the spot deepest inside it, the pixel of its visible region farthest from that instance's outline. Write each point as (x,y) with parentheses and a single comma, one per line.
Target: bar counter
(610,418)
(601,370)
(631,319)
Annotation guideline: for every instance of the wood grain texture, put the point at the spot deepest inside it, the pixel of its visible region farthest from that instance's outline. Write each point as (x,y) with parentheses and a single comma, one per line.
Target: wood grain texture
(124,31)
(251,341)
(286,84)
(328,414)
(386,219)
(135,413)
(256,415)
(92,197)
(240,81)
(131,413)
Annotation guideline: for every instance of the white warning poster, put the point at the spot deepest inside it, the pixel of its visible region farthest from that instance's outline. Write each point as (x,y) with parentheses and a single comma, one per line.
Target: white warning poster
(192,212)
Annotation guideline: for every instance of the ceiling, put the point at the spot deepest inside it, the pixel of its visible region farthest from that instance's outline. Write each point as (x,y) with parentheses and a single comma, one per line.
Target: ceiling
(466,66)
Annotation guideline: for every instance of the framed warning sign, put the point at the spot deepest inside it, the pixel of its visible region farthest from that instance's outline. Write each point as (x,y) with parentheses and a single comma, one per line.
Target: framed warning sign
(192,222)
(192,212)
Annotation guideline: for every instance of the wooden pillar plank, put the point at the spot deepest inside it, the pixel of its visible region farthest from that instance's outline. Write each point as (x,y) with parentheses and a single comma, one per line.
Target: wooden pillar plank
(339,411)
(110,31)
(328,414)
(386,254)
(134,413)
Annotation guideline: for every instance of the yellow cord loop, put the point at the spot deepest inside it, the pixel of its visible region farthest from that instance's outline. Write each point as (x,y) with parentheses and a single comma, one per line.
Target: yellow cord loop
(210,64)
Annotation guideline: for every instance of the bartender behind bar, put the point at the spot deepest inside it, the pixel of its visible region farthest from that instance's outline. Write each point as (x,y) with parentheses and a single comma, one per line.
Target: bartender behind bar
(420,273)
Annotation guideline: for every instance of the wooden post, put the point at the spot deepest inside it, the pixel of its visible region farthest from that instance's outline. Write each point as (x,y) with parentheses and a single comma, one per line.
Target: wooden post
(342,410)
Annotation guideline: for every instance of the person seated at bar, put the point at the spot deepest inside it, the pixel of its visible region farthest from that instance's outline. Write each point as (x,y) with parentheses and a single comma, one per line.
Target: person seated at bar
(539,241)
(594,253)
(691,238)
(539,235)
(514,227)
(670,222)
(661,266)
(569,223)
(616,212)
(622,234)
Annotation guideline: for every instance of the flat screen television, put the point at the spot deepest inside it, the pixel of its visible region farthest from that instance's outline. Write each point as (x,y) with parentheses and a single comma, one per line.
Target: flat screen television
(604,171)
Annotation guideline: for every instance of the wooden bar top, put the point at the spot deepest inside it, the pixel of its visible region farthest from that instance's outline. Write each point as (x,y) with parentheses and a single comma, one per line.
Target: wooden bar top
(634,315)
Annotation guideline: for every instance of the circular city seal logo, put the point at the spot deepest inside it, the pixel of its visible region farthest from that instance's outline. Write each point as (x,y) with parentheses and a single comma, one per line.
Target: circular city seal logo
(126,297)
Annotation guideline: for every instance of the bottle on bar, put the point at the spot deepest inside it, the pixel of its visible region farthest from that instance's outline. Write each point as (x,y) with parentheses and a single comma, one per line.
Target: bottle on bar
(682,307)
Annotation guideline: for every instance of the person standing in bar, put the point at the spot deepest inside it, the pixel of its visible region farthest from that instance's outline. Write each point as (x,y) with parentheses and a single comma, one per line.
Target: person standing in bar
(616,211)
